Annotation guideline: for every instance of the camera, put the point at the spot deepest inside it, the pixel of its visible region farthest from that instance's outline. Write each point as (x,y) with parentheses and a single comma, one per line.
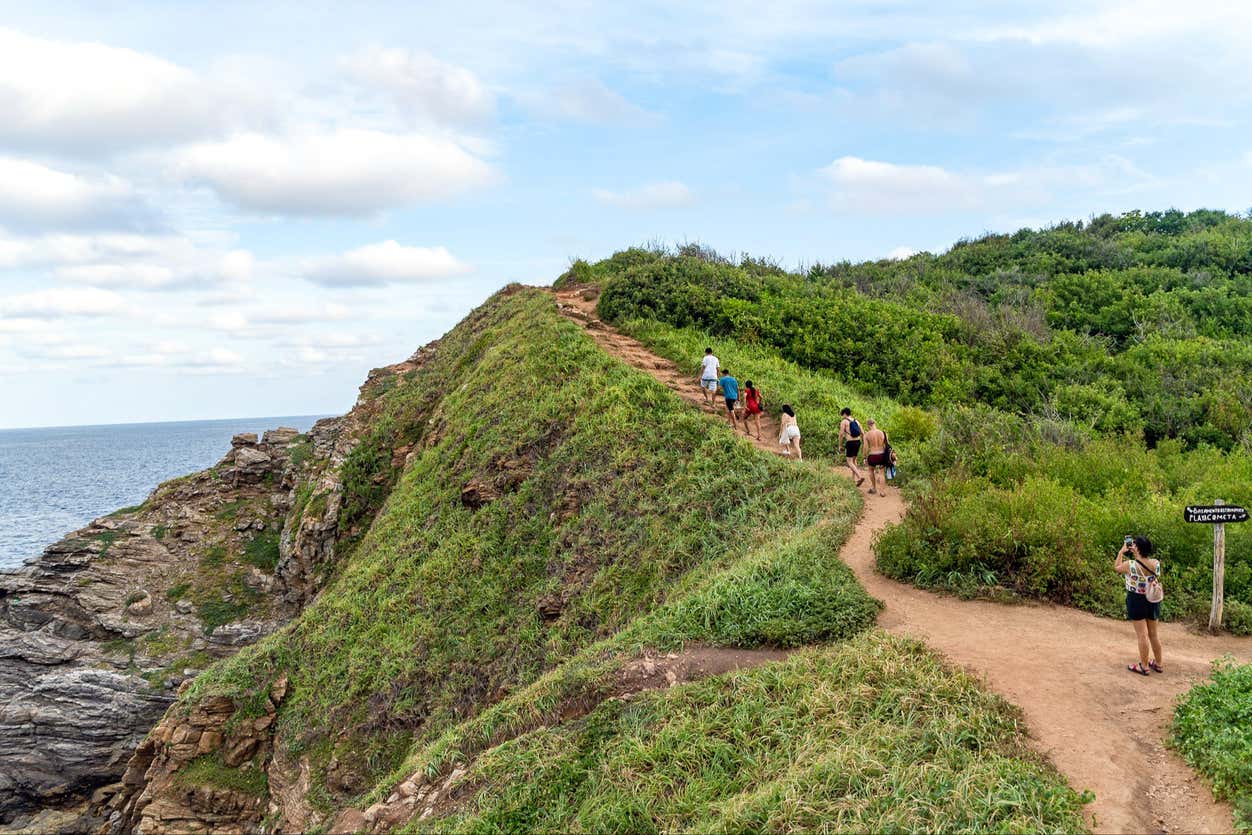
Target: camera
(1129,540)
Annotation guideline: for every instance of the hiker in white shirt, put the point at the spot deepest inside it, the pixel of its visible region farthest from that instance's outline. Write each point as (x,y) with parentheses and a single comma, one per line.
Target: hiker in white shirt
(708,376)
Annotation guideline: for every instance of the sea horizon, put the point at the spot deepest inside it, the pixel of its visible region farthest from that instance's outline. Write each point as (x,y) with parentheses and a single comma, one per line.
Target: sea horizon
(56,479)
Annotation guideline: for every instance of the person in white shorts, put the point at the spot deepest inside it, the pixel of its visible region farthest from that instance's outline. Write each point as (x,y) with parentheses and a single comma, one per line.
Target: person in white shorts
(789,438)
(708,376)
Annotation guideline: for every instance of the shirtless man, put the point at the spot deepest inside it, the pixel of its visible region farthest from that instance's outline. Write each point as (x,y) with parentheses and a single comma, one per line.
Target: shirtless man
(850,437)
(876,443)
(708,376)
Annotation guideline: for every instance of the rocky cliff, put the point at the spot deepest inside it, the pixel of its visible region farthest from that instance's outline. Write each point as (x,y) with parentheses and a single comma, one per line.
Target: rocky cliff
(98,633)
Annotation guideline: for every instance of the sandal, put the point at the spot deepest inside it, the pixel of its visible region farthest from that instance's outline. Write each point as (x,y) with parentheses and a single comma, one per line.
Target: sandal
(860,481)
(1137,668)
(1156,668)
(872,491)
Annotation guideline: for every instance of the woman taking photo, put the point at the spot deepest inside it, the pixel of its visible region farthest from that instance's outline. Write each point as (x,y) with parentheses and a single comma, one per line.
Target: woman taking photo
(1140,571)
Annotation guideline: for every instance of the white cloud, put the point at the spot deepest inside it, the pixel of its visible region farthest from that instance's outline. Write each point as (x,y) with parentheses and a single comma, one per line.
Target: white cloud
(62,301)
(256,318)
(586,100)
(667,195)
(422,85)
(887,187)
(345,172)
(383,263)
(89,97)
(862,185)
(126,260)
(75,351)
(34,195)
(900,253)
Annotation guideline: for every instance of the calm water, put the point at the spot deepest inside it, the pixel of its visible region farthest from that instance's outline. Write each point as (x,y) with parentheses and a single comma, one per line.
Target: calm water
(53,481)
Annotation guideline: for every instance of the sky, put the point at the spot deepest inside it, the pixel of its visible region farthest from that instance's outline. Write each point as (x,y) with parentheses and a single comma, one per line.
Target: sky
(232,209)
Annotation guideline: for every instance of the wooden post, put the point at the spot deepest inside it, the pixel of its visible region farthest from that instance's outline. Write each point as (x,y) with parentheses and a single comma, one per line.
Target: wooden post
(1219,573)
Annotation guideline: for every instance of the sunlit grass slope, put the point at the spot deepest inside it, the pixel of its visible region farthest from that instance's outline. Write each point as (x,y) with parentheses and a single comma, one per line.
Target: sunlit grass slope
(874,735)
(614,498)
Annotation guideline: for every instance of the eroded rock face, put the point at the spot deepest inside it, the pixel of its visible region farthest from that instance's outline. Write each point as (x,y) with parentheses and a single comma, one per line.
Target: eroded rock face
(97,633)
(153,801)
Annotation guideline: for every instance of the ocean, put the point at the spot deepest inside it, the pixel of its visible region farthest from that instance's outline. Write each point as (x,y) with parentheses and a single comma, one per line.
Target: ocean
(53,481)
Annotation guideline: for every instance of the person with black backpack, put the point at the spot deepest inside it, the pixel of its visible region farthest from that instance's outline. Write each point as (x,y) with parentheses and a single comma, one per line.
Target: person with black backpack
(850,437)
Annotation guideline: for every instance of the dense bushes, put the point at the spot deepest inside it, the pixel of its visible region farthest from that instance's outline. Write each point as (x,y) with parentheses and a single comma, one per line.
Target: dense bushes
(1137,323)
(1019,505)
(1213,730)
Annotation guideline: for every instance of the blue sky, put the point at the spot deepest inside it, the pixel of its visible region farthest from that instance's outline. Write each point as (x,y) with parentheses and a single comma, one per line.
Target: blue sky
(226,209)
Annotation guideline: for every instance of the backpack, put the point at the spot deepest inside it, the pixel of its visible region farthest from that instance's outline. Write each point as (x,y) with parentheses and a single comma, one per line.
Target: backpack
(1155,592)
(854,429)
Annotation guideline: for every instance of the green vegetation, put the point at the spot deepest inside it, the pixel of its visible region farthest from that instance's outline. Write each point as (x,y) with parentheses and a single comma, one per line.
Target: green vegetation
(127,511)
(1010,503)
(158,532)
(262,550)
(230,510)
(300,451)
(106,540)
(218,610)
(605,517)
(876,735)
(1213,730)
(1064,386)
(177,591)
(209,770)
(602,512)
(214,556)
(1077,320)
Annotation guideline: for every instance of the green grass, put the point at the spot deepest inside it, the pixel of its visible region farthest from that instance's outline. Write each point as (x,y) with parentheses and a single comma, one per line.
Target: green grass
(876,735)
(208,770)
(158,532)
(230,510)
(654,527)
(262,550)
(217,611)
(127,511)
(214,556)
(1213,731)
(435,615)
(177,591)
(106,540)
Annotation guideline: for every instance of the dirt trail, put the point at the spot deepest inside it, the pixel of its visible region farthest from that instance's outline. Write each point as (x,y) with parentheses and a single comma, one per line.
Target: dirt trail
(1102,726)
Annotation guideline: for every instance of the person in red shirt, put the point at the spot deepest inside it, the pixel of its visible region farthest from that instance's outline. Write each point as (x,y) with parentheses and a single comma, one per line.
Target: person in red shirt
(753,405)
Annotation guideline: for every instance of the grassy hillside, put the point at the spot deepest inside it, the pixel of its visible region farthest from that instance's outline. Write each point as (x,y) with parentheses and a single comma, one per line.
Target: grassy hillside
(558,514)
(875,735)
(599,496)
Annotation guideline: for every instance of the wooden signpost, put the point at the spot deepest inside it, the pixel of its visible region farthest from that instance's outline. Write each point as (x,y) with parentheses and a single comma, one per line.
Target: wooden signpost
(1218,515)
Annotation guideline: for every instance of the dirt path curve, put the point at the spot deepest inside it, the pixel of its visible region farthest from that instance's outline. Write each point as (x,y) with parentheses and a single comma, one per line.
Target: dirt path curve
(1102,726)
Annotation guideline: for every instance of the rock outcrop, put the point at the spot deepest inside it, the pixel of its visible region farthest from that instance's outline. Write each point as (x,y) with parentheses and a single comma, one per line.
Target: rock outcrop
(96,634)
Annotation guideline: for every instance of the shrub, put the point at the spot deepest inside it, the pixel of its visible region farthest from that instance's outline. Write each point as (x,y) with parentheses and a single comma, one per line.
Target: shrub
(1213,731)
(909,424)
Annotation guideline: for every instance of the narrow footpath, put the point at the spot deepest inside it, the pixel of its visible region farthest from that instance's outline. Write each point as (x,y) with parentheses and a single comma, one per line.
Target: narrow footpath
(1102,726)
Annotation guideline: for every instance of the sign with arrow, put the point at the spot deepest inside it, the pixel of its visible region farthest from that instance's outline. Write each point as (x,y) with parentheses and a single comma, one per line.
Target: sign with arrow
(1218,514)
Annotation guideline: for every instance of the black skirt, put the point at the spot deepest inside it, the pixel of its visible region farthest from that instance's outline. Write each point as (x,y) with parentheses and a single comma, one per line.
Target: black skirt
(1138,607)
